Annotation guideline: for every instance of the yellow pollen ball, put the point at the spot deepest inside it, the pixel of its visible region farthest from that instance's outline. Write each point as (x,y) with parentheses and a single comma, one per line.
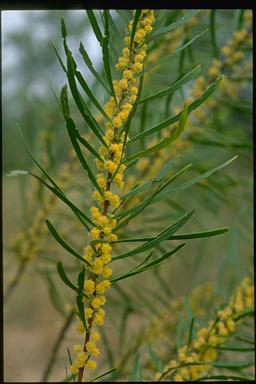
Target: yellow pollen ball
(89,286)
(91,364)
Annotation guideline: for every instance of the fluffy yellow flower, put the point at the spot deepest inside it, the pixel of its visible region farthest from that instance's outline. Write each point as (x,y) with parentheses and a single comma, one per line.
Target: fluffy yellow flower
(95,336)
(91,348)
(88,313)
(107,272)
(99,317)
(110,166)
(91,364)
(102,286)
(77,348)
(98,301)
(95,233)
(89,286)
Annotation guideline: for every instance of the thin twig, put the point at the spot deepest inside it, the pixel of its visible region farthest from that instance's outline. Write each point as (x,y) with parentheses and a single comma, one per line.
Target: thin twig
(15,281)
(57,345)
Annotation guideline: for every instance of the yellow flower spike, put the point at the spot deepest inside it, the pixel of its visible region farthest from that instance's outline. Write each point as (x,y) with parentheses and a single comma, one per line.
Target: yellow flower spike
(89,286)
(126,91)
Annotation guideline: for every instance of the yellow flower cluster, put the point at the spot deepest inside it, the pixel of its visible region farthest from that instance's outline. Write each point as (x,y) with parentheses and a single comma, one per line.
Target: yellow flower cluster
(203,348)
(111,172)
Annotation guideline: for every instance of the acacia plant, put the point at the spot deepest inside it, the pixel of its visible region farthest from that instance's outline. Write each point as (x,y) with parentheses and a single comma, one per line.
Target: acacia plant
(114,148)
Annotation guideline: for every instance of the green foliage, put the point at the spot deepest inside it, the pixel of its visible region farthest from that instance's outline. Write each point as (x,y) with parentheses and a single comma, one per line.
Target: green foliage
(184,154)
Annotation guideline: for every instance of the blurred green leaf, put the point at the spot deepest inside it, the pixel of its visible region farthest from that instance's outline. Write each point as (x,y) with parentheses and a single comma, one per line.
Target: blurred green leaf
(64,277)
(95,25)
(60,240)
(91,68)
(175,86)
(179,23)
(194,105)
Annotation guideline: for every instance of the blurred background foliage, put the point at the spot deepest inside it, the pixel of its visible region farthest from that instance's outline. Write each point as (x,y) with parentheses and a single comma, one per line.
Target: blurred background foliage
(206,271)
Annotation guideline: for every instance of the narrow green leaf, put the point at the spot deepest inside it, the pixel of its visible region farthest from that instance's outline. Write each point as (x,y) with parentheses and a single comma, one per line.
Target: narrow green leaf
(176,52)
(71,125)
(103,374)
(61,195)
(159,260)
(63,28)
(80,155)
(64,100)
(95,127)
(80,306)
(91,68)
(232,364)
(156,360)
(137,370)
(58,56)
(106,61)
(191,330)
(70,362)
(134,26)
(64,277)
(162,236)
(171,120)
(180,22)
(197,179)
(59,239)
(53,293)
(80,280)
(167,141)
(226,378)
(34,159)
(175,86)
(95,25)
(196,235)
(89,93)
(133,212)
(233,348)
(213,32)
(17,172)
